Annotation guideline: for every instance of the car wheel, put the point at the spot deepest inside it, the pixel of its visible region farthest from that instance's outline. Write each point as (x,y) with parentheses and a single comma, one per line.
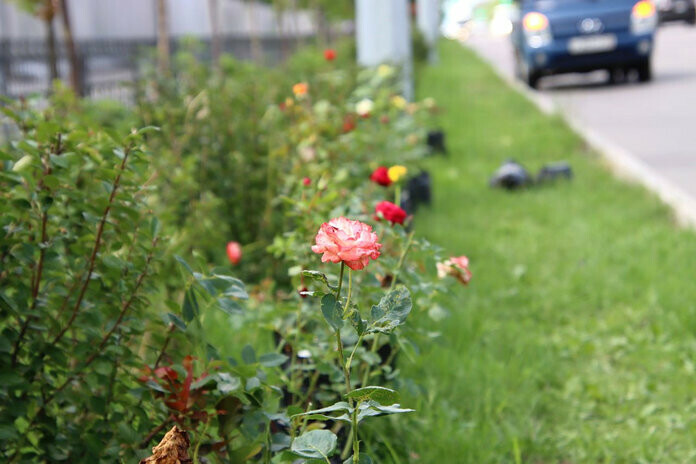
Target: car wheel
(532,78)
(645,71)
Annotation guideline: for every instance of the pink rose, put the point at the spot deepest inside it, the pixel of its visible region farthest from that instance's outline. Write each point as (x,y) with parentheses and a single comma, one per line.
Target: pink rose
(344,240)
(457,267)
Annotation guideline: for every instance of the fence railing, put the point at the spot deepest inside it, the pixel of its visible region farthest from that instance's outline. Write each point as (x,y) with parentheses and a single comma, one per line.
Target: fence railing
(107,66)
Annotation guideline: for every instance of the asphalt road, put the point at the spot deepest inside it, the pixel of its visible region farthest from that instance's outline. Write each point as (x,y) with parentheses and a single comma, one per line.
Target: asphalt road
(653,122)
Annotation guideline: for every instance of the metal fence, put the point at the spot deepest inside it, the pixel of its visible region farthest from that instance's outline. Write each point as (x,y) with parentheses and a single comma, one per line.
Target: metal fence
(108,66)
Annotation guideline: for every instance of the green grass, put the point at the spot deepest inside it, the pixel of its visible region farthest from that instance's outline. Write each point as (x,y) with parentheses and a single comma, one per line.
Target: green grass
(575,341)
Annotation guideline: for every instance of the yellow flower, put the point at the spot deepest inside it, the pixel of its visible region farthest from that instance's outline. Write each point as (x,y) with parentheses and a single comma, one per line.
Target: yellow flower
(399,102)
(289,102)
(300,89)
(396,172)
(384,70)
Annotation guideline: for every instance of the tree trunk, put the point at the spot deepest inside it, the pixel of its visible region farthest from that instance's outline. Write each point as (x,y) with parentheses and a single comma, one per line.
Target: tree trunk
(162,37)
(256,53)
(75,67)
(215,47)
(51,44)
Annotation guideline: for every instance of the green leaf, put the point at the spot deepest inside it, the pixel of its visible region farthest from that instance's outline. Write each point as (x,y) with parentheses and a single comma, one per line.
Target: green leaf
(319,277)
(184,264)
(362,459)
(227,383)
(272,359)
(248,354)
(190,307)
(372,408)
(331,310)
(229,306)
(23,163)
(325,413)
(174,319)
(358,322)
(382,395)
(315,444)
(391,311)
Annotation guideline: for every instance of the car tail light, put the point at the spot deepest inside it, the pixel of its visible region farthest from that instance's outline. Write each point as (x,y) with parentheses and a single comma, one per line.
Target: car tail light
(536,29)
(643,17)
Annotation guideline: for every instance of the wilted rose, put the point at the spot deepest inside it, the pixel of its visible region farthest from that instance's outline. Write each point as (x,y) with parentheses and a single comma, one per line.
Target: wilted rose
(457,267)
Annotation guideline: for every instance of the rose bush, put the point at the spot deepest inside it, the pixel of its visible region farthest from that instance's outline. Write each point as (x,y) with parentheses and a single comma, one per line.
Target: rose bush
(248,172)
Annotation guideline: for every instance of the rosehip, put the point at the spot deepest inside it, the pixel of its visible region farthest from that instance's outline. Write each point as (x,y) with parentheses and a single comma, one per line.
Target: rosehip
(234,252)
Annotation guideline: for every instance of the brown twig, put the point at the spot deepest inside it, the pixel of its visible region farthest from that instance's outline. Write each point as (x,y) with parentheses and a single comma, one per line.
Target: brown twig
(124,310)
(172,327)
(155,431)
(95,249)
(36,278)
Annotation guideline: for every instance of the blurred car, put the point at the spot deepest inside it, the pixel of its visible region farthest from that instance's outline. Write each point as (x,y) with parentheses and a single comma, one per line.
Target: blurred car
(677,10)
(560,36)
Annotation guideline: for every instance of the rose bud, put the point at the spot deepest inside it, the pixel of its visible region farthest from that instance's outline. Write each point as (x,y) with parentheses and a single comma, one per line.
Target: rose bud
(329,54)
(234,252)
(381,176)
(390,212)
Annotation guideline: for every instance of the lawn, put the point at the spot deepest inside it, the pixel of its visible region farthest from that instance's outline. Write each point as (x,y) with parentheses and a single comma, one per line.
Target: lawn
(575,341)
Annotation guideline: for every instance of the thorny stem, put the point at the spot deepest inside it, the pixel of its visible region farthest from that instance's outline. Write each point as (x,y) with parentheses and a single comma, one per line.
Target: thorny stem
(95,249)
(124,310)
(404,252)
(36,281)
(172,327)
(375,340)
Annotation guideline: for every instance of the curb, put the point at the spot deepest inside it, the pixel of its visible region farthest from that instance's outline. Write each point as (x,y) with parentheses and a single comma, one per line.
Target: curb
(623,163)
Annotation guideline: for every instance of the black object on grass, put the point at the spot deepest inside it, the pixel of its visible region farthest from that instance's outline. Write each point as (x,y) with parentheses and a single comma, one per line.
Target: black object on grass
(511,176)
(436,142)
(418,191)
(555,171)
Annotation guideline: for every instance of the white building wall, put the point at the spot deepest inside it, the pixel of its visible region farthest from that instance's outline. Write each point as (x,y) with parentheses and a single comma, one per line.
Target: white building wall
(117,19)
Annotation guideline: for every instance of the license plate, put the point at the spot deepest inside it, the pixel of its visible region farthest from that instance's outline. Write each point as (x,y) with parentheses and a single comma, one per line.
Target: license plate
(592,44)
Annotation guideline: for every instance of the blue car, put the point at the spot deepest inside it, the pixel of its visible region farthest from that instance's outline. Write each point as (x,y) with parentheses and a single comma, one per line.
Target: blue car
(561,36)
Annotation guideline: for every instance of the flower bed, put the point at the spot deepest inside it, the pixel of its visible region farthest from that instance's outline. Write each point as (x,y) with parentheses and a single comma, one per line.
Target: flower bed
(117,325)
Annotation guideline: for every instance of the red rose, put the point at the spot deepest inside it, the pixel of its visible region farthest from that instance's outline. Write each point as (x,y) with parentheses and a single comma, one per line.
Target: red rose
(306,181)
(329,54)
(390,212)
(234,252)
(381,176)
(348,124)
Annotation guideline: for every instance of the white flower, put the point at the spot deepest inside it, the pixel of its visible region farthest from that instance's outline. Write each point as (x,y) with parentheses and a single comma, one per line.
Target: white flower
(364,107)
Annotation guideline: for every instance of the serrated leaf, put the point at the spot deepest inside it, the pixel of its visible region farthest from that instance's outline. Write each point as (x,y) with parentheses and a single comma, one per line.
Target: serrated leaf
(319,277)
(248,354)
(190,307)
(391,311)
(315,444)
(331,310)
(174,319)
(381,395)
(184,264)
(229,306)
(272,359)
